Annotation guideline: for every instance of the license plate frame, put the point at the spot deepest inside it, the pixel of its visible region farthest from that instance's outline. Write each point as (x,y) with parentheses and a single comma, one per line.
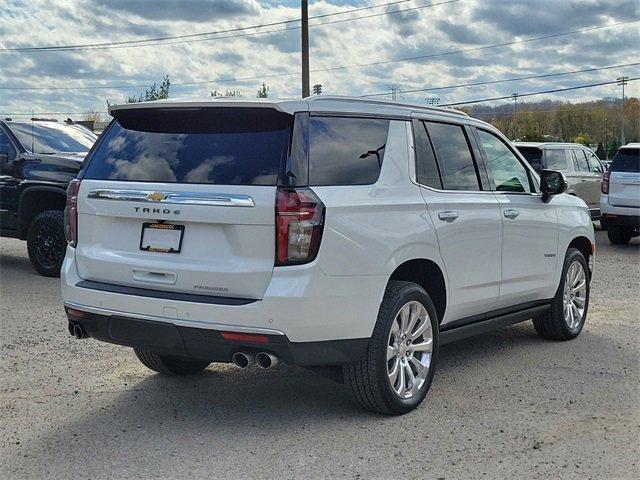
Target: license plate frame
(165,227)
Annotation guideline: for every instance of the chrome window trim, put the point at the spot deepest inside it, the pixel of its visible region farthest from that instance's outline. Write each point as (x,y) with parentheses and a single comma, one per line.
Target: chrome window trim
(173,198)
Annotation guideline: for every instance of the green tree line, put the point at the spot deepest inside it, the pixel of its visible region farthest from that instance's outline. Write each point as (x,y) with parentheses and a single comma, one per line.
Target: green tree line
(590,123)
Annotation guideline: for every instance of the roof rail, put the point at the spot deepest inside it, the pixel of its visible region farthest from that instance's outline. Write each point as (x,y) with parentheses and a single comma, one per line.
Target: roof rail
(345,98)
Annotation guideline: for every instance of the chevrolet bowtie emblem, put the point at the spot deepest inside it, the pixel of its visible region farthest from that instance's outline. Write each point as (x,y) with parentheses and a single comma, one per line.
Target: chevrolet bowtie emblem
(156,196)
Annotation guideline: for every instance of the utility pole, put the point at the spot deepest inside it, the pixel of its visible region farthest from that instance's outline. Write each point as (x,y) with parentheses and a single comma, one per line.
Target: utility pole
(606,151)
(515,117)
(622,81)
(304,5)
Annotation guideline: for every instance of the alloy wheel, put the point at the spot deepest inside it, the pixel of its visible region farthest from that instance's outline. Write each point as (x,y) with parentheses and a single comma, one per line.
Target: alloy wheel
(49,245)
(409,349)
(575,295)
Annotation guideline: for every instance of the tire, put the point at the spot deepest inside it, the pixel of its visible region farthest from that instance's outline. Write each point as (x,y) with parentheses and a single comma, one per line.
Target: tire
(619,235)
(369,378)
(553,324)
(46,243)
(170,365)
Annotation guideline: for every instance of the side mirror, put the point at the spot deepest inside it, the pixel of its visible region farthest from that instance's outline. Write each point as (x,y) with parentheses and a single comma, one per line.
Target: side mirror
(4,158)
(552,183)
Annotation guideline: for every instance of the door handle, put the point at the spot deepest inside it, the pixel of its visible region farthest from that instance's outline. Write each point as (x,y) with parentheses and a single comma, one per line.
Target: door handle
(511,212)
(448,215)
(5,178)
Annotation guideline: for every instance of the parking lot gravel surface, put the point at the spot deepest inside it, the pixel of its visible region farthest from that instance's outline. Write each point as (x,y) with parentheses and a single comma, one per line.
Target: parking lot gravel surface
(505,404)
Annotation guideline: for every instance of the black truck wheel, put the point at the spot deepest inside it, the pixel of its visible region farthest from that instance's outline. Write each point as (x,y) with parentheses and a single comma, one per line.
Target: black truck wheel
(46,243)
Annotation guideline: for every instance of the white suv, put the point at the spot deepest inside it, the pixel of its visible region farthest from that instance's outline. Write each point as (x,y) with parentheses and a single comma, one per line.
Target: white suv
(322,232)
(620,200)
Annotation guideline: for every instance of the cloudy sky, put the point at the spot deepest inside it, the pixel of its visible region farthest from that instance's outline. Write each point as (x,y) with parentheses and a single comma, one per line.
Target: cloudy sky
(417,47)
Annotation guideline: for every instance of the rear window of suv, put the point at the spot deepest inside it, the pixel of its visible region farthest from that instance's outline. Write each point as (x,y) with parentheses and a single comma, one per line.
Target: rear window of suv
(221,146)
(626,160)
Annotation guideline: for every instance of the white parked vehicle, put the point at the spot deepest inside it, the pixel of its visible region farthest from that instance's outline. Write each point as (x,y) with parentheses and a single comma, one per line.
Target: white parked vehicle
(620,200)
(581,167)
(329,231)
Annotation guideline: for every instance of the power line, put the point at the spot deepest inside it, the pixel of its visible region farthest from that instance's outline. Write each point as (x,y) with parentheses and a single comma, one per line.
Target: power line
(433,55)
(475,49)
(555,90)
(493,82)
(197,37)
(525,108)
(275,75)
(444,105)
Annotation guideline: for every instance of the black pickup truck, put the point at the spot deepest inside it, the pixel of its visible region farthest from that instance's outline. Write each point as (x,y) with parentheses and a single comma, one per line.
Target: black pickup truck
(38,158)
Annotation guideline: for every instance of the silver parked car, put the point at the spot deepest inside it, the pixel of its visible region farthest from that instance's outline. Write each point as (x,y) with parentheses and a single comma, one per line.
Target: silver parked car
(580,165)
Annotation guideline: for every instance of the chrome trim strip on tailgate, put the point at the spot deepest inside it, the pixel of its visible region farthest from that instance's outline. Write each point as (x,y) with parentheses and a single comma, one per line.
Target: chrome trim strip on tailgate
(175,321)
(164,294)
(179,198)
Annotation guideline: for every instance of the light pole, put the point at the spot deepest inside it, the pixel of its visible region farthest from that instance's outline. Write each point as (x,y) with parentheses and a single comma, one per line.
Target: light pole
(304,6)
(622,81)
(515,118)
(606,151)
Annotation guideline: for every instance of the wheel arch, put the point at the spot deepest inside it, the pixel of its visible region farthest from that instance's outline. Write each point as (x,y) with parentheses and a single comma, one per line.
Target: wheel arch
(429,276)
(583,244)
(35,200)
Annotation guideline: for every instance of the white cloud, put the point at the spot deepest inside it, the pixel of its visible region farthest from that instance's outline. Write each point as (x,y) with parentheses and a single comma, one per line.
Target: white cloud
(444,28)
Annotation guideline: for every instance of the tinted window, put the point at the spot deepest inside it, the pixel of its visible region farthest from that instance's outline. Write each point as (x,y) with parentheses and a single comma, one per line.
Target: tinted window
(457,167)
(594,163)
(555,159)
(508,173)
(52,137)
(6,148)
(346,151)
(626,160)
(222,146)
(426,166)
(581,161)
(533,156)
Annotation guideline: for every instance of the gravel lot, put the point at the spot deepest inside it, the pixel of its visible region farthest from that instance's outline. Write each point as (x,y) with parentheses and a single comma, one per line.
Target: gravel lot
(503,405)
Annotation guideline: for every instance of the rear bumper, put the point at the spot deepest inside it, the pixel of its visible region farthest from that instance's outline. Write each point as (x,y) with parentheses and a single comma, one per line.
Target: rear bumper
(301,303)
(169,339)
(622,216)
(621,220)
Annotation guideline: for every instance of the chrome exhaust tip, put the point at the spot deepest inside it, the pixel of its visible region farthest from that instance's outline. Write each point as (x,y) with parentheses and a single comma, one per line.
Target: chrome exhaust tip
(266,360)
(243,360)
(77,331)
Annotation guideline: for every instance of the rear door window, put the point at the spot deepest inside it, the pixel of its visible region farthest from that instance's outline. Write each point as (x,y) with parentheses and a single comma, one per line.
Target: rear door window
(626,160)
(453,154)
(427,172)
(346,150)
(555,159)
(581,161)
(219,146)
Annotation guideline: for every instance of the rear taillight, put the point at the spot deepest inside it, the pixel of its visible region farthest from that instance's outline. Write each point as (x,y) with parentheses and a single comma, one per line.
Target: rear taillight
(299,223)
(71,213)
(605,182)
